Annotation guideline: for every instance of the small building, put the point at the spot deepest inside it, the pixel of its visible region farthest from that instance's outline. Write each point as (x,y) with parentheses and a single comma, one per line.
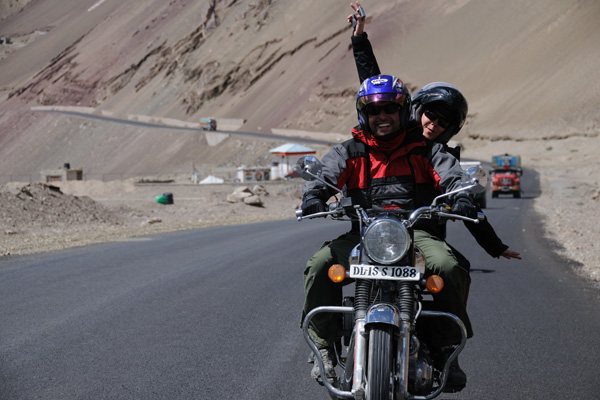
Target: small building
(64,173)
(288,154)
(253,174)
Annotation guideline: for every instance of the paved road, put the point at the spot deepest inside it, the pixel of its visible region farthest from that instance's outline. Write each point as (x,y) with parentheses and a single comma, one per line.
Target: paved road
(213,314)
(269,136)
(536,324)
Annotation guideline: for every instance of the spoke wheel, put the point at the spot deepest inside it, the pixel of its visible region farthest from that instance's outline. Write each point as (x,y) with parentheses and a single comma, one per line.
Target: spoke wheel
(379,375)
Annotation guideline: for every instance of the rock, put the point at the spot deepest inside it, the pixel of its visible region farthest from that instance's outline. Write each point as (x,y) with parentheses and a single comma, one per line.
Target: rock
(237,197)
(240,194)
(243,189)
(253,200)
(260,190)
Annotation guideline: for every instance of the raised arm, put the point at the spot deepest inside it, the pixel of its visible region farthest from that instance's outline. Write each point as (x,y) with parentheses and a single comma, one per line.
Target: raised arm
(366,63)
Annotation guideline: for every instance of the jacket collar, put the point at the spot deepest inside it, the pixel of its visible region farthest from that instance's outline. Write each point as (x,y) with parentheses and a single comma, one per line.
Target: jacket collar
(403,143)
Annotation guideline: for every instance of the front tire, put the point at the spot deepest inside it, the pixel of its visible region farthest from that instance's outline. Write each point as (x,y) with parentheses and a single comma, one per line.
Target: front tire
(379,376)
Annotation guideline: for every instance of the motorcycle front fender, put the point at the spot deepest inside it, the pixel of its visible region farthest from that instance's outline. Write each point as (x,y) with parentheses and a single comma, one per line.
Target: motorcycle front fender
(383,314)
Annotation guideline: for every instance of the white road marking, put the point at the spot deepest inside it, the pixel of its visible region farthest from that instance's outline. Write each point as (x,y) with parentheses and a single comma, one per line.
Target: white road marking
(96,5)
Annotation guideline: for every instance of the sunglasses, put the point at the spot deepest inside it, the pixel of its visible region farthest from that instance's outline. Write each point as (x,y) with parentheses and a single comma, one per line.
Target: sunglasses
(391,108)
(435,116)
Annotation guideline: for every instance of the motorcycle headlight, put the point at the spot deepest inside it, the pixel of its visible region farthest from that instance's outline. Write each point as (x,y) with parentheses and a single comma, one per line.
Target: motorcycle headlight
(386,241)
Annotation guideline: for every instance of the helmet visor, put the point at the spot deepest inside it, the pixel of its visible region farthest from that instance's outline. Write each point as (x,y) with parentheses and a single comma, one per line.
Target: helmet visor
(441,110)
(398,98)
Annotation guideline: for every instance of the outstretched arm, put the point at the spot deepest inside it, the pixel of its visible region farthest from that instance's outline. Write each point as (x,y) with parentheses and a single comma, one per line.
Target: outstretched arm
(366,63)
(486,237)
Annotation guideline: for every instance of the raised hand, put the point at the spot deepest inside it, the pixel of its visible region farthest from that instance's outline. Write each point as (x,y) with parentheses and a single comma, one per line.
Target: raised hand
(359,18)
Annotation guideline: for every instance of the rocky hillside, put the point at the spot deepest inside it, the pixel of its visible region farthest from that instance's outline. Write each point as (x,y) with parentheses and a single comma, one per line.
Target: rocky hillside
(529,70)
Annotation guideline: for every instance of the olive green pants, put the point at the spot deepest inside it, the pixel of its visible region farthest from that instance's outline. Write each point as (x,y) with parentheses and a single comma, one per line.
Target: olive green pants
(453,268)
(319,290)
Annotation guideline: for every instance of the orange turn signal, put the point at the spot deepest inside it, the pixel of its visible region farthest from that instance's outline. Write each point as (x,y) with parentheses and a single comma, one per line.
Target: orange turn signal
(337,273)
(434,284)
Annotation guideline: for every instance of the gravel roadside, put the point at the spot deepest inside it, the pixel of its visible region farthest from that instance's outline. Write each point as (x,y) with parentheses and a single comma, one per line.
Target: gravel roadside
(36,219)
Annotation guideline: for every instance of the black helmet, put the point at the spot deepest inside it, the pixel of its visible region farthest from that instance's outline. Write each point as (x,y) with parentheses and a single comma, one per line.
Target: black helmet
(445,97)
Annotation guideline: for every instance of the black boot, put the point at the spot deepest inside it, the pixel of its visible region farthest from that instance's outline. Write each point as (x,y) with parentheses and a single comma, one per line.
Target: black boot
(457,379)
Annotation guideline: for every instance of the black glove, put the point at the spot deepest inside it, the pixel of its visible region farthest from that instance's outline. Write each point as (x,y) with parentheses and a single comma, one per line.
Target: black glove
(312,206)
(463,206)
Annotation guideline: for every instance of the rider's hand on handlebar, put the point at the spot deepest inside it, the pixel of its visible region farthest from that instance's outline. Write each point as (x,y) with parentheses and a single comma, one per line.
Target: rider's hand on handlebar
(462,206)
(313,206)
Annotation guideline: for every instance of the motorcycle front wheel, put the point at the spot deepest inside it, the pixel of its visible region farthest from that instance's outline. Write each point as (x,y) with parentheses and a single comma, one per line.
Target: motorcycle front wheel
(379,376)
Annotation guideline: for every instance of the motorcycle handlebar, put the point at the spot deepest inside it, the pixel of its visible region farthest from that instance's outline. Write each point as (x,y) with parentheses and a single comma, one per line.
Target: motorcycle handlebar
(480,217)
(322,214)
(431,211)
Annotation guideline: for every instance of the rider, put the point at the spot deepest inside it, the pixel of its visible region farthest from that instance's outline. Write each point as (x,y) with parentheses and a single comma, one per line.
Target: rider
(442,110)
(386,165)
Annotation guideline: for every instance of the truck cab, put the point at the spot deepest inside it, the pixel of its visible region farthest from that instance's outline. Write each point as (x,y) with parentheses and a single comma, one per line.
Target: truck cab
(506,175)
(208,124)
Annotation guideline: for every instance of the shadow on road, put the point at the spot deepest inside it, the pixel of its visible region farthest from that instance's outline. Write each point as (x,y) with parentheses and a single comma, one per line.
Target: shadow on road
(483,271)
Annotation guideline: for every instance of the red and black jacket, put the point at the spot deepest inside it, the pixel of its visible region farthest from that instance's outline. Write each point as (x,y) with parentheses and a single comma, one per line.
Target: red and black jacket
(404,173)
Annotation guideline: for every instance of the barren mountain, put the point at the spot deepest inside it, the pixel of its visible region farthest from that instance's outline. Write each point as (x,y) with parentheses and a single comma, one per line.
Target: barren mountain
(530,71)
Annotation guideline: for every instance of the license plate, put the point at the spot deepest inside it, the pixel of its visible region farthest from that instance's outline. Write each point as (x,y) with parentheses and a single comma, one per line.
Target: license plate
(384,272)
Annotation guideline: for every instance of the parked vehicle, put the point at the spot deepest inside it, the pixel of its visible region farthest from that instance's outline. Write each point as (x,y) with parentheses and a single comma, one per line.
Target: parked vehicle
(208,124)
(478,198)
(506,175)
(383,355)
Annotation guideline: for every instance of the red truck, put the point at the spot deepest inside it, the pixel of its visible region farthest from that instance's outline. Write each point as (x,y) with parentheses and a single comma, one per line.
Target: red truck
(506,175)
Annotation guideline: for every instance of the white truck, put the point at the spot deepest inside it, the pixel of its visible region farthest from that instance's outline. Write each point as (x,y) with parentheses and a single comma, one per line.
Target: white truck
(478,198)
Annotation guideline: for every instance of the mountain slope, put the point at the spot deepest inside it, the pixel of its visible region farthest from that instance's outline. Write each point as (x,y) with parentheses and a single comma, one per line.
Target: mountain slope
(529,71)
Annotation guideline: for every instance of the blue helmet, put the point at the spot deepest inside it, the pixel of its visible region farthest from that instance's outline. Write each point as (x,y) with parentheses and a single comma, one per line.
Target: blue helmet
(382,88)
(446,98)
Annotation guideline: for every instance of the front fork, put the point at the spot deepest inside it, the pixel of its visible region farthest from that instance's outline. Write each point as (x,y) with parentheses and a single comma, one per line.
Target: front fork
(403,360)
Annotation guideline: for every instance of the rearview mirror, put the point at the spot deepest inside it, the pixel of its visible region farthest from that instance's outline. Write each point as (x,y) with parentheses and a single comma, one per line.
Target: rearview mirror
(476,178)
(309,168)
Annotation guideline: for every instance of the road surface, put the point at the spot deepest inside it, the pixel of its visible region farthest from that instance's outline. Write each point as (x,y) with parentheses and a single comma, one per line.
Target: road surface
(214,314)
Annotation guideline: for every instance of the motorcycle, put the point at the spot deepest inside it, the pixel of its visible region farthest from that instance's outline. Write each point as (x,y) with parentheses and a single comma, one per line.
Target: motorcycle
(383,355)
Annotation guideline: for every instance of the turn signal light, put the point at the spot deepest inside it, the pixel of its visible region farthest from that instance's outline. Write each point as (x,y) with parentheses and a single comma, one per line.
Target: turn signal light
(337,273)
(434,284)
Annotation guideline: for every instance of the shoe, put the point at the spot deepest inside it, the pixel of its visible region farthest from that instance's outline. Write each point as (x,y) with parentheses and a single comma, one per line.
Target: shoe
(457,379)
(328,356)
